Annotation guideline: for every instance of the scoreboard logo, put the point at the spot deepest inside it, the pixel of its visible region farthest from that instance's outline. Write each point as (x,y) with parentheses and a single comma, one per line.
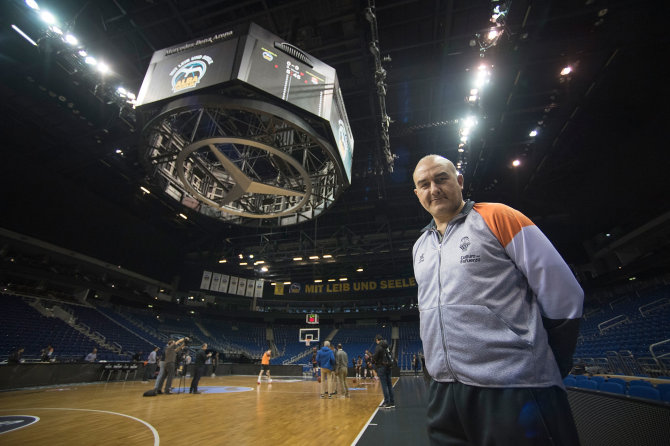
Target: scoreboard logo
(189,72)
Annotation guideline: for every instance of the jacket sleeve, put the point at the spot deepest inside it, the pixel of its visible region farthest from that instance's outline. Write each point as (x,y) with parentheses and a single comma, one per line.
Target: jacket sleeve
(559,295)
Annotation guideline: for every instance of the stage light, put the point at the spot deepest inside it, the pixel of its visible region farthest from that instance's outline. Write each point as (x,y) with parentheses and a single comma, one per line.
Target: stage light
(287,283)
(103,68)
(359,270)
(331,280)
(223,261)
(533,133)
(318,280)
(264,269)
(493,33)
(343,279)
(121,91)
(83,53)
(24,35)
(32,4)
(183,216)
(240,256)
(47,17)
(566,70)
(91,60)
(313,257)
(327,256)
(57,30)
(72,40)
(297,259)
(243,263)
(516,163)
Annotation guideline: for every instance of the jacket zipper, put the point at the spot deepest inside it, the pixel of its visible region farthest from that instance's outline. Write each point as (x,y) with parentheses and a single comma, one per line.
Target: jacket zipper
(448,229)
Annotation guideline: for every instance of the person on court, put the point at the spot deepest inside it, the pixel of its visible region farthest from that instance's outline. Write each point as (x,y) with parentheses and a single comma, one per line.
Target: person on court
(326,360)
(265,366)
(499,319)
(341,369)
(199,368)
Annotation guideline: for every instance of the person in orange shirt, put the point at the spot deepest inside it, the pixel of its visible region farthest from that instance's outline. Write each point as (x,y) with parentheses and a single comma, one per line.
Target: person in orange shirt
(265,366)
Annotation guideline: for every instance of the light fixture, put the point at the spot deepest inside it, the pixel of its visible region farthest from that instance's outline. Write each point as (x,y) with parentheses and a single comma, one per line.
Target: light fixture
(313,257)
(318,280)
(91,60)
(533,133)
(183,216)
(264,269)
(331,280)
(243,263)
(259,262)
(32,4)
(103,68)
(287,283)
(145,190)
(24,35)
(359,270)
(223,261)
(83,53)
(566,70)
(327,256)
(72,40)
(47,17)
(251,256)
(240,256)
(343,279)
(516,163)
(297,259)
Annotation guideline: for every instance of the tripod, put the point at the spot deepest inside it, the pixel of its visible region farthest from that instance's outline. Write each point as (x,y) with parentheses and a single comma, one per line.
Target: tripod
(181,370)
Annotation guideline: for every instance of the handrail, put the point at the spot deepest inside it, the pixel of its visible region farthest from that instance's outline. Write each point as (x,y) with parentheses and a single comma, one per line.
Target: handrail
(600,325)
(651,349)
(667,302)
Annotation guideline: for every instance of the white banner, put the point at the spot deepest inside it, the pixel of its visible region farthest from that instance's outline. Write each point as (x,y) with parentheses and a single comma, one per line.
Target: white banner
(223,284)
(216,280)
(251,285)
(206,279)
(241,286)
(259,288)
(232,287)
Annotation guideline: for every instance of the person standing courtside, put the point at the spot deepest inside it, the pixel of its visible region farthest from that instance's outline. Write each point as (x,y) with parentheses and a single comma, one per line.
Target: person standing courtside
(341,369)
(199,368)
(384,372)
(168,366)
(499,318)
(150,368)
(265,366)
(326,360)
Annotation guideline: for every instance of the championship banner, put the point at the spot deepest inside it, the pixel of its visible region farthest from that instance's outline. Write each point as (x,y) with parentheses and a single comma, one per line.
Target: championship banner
(241,286)
(259,288)
(206,279)
(223,284)
(216,280)
(251,285)
(279,289)
(232,287)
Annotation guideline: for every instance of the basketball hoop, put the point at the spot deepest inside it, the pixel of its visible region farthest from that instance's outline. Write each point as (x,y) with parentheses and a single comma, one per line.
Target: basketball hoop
(307,343)
(308,339)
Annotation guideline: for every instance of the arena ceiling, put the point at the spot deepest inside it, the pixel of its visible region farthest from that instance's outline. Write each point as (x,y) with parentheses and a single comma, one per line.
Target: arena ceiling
(596,166)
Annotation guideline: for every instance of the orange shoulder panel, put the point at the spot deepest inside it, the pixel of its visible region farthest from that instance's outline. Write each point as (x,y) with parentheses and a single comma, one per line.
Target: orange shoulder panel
(503,221)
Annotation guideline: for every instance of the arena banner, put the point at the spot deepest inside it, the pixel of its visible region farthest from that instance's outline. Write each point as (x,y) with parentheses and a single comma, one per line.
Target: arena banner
(216,279)
(206,280)
(346,287)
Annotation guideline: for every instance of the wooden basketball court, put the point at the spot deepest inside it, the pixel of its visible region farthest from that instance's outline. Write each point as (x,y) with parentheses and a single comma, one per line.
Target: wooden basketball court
(231,410)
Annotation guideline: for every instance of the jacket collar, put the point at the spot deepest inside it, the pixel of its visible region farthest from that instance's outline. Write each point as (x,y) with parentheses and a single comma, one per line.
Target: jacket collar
(469,204)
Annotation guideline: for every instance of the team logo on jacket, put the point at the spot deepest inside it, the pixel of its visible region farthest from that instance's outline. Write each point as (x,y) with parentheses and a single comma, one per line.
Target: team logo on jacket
(420,258)
(465,243)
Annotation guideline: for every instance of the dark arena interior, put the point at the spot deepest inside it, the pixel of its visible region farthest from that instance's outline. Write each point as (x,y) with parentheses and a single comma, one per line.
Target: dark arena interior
(240,174)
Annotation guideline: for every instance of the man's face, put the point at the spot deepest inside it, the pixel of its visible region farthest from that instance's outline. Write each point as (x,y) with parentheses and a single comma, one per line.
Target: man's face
(439,187)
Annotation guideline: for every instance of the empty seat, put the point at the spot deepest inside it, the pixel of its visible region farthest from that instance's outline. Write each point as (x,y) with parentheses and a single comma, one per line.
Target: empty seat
(664,390)
(587,384)
(612,387)
(650,393)
(570,381)
(640,382)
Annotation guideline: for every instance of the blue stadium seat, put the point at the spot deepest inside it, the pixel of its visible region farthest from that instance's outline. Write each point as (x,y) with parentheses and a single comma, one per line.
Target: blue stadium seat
(664,390)
(640,382)
(587,384)
(612,387)
(570,381)
(618,381)
(650,393)
(598,379)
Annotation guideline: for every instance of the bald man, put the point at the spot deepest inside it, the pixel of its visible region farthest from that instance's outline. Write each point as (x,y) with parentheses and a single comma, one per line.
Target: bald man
(499,313)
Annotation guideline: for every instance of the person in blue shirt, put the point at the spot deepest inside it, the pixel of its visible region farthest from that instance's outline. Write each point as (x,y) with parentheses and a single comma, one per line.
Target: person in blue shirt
(326,360)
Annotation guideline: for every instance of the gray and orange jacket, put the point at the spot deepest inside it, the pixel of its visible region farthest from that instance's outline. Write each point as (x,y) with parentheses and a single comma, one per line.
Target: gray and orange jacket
(487,290)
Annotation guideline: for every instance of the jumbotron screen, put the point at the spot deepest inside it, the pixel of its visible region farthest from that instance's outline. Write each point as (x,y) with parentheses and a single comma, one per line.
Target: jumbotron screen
(252,56)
